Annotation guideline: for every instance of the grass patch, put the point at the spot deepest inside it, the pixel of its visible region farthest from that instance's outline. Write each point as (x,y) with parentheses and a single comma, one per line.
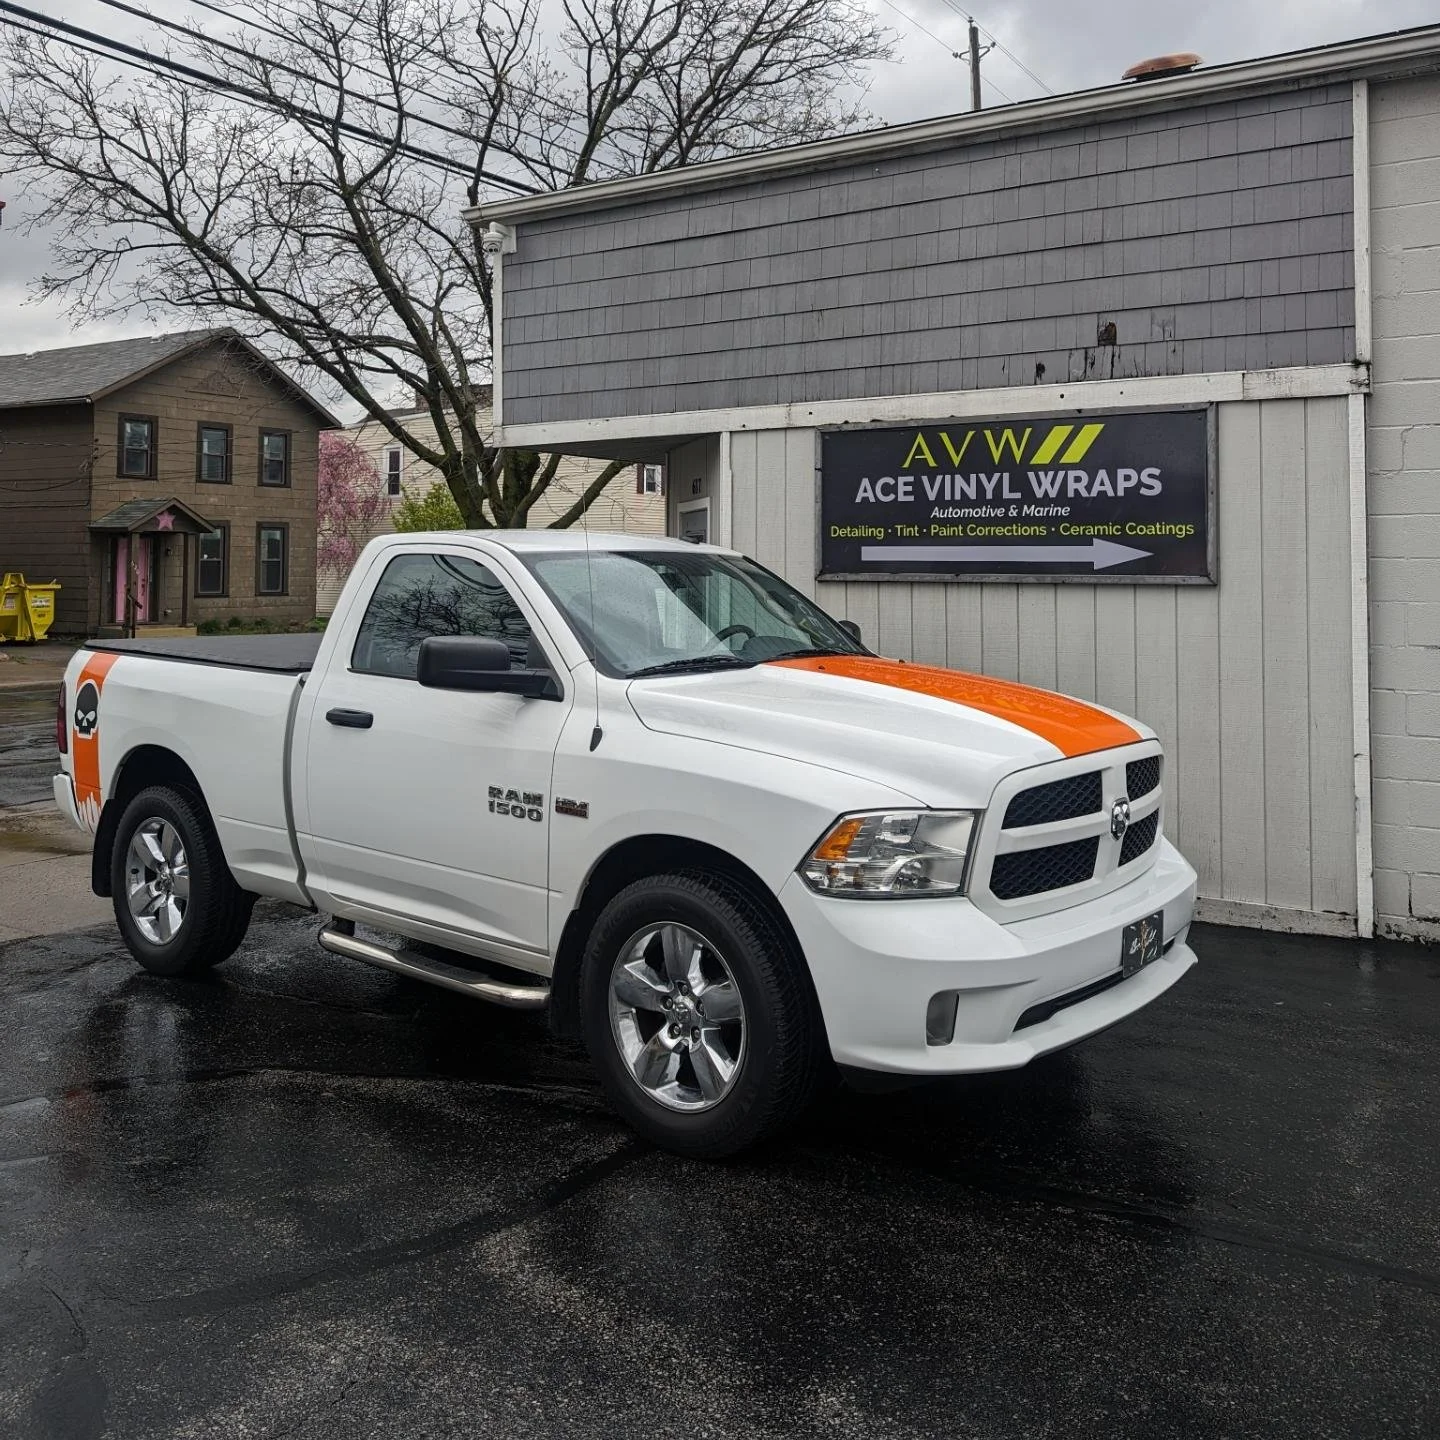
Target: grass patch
(261,626)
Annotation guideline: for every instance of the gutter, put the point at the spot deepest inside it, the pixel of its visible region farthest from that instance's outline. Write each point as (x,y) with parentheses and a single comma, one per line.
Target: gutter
(1400,52)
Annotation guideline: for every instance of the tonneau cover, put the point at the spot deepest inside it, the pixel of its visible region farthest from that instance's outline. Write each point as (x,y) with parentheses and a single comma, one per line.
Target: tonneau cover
(282,654)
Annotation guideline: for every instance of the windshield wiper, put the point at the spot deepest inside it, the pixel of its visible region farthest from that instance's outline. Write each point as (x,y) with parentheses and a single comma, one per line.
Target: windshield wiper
(819,653)
(695,664)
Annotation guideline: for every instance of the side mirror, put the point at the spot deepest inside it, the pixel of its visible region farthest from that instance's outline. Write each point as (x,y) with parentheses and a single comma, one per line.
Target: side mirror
(461,662)
(852,630)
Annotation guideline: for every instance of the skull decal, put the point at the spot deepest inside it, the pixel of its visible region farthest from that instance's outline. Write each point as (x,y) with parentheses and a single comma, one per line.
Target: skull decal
(87,710)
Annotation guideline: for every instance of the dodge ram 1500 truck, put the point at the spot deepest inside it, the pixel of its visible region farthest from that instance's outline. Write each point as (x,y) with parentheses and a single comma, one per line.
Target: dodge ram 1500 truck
(651,787)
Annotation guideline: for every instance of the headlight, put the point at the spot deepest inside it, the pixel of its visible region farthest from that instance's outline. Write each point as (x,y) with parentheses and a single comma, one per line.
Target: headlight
(894,855)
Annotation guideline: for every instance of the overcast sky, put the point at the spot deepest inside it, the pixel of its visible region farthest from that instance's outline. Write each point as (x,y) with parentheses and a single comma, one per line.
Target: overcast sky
(1069,46)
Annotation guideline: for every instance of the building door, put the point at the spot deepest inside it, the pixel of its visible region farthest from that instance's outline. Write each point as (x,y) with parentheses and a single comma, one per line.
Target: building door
(135,579)
(694,517)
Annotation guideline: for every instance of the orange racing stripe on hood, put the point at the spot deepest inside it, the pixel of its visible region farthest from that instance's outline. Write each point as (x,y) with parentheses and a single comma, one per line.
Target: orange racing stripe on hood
(1071,726)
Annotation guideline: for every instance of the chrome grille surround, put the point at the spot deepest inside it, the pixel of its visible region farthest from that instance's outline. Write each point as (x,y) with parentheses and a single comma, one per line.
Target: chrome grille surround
(994,839)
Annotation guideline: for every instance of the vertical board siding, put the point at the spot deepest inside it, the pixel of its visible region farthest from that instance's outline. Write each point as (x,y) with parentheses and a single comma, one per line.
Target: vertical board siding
(1192,770)
(1247,684)
(743,451)
(799,539)
(1037,636)
(1157,698)
(1115,647)
(1331,739)
(1075,641)
(1242,661)
(1285,656)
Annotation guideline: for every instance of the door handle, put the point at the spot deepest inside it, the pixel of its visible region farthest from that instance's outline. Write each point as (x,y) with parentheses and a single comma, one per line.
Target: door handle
(352,719)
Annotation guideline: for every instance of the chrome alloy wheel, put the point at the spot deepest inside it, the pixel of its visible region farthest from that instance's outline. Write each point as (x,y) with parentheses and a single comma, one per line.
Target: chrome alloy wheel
(157,881)
(677,1017)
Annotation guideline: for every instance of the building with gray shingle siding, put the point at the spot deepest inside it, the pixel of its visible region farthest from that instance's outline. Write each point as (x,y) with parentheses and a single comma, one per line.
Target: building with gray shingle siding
(1261,240)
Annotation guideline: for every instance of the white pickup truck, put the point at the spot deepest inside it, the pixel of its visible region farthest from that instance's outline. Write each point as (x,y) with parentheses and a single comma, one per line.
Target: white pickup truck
(650,786)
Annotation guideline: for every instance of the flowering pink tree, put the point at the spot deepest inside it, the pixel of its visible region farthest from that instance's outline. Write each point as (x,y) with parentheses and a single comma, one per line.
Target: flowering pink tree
(351,500)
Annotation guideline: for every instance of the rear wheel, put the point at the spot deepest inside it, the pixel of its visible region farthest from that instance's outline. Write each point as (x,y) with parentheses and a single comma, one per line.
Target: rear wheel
(176,903)
(698,1016)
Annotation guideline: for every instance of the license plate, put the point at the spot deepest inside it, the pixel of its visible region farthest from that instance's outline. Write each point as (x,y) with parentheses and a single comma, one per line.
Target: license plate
(1142,943)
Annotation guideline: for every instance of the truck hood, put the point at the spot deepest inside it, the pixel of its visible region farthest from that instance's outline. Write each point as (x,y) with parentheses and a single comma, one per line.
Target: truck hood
(942,737)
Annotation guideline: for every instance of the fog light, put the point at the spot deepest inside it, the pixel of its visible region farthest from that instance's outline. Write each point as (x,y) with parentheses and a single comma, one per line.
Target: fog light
(940,1017)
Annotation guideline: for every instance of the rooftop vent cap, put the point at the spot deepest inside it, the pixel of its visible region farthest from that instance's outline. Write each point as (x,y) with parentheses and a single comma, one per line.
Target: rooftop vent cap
(1162,65)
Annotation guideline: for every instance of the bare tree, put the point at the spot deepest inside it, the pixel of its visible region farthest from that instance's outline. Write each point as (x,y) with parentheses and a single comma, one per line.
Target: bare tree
(312,198)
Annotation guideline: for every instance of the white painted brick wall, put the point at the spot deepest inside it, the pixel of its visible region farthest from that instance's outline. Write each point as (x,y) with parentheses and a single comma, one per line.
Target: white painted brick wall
(1404,496)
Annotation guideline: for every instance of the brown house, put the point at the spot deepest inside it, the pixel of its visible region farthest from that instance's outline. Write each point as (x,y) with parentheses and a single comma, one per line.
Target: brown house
(162,481)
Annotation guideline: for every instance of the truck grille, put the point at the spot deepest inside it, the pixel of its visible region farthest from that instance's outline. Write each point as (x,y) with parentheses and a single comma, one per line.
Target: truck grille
(1058,800)
(1051,867)
(1142,776)
(1048,836)
(1139,838)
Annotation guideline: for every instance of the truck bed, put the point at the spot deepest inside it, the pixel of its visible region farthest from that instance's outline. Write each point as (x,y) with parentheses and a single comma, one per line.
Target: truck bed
(278,654)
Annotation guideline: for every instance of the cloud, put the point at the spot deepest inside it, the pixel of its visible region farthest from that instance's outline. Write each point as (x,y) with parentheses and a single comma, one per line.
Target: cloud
(1074,47)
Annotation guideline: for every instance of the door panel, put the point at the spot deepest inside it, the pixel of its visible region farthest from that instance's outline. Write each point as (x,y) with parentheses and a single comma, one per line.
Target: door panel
(439,808)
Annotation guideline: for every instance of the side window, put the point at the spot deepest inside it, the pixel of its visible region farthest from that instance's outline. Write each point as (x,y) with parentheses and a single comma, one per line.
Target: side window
(423,595)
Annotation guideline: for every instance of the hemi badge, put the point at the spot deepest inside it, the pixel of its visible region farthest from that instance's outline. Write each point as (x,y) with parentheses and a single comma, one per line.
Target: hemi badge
(580,809)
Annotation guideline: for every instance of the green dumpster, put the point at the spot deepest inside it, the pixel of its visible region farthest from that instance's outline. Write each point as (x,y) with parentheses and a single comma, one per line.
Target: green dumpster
(26,611)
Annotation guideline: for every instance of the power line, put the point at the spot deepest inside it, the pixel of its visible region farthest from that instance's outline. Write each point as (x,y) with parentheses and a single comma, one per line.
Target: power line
(1009,54)
(281,65)
(134,57)
(260,25)
(906,15)
(954,54)
(580,124)
(1015,59)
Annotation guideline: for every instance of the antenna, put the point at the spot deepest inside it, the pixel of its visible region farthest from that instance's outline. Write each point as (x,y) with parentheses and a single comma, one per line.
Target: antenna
(597,734)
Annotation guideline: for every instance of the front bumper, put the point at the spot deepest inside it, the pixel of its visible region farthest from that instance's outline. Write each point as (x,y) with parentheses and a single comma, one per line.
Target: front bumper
(876,964)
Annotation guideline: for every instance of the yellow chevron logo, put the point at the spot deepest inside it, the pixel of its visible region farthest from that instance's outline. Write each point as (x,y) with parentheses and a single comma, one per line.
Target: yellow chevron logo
(1076,450)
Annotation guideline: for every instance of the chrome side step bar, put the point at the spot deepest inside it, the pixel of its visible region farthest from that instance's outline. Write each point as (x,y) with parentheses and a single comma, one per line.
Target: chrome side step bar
(434,972)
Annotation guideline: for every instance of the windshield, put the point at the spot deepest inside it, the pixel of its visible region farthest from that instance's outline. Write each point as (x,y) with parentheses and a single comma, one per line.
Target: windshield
(669,611)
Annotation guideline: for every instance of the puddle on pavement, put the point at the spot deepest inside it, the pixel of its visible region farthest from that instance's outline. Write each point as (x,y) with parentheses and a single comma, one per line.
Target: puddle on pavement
(22,837)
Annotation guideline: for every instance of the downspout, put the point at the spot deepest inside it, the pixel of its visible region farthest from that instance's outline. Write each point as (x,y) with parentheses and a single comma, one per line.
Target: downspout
(724,488)
(497,242)
(1359,521)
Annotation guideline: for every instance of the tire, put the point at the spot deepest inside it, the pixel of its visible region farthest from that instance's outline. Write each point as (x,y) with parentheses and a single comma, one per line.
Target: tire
(710,929)
(170,933)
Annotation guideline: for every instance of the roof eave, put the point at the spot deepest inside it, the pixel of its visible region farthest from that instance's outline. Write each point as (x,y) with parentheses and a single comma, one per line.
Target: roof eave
(1399,52)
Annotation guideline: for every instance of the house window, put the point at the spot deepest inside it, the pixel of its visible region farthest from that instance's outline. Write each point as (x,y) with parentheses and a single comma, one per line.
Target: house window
(394,468)
(272,559)
(274,457)
(649,479)
(212,464)
(137,447)
(212,567)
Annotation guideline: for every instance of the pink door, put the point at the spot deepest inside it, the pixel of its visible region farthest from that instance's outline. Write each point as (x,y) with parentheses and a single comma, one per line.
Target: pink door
(144,547)
(134,559)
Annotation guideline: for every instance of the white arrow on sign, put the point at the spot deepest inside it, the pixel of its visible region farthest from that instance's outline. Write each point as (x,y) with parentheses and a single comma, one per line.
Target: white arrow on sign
(1101,554)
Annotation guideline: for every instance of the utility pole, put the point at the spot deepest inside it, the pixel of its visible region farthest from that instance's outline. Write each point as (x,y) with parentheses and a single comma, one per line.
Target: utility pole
(974,56)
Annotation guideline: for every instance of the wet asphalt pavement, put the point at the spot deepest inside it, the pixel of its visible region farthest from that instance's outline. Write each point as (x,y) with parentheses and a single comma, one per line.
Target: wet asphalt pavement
(27,746)
(304,1198)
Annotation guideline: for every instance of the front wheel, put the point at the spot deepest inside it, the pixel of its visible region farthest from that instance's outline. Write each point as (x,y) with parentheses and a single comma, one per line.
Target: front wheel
(698,1016)
(176,903)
